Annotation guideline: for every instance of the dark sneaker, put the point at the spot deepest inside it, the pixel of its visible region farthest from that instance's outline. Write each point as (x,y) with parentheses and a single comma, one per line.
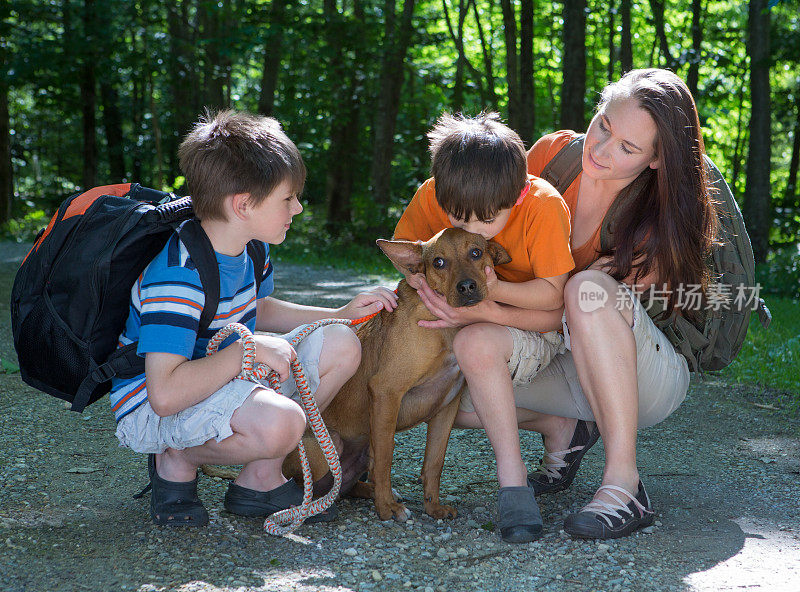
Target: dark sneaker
(557,469)
(249,502)
(611,520)
(518,515)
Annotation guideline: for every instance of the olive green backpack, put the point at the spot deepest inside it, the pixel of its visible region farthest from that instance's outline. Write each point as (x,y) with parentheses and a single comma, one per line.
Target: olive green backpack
(725,323)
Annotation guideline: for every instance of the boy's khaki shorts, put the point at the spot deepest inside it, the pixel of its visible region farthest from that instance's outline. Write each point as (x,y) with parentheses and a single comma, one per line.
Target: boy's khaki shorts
(531,353)
(144,431)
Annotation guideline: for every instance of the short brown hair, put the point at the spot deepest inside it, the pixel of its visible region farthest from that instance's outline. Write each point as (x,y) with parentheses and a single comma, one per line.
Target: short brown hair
(233,152)
(478,164)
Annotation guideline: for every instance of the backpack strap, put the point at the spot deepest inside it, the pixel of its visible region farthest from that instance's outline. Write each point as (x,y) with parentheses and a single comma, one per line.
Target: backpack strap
(202,253)
(125,362)
(565,166)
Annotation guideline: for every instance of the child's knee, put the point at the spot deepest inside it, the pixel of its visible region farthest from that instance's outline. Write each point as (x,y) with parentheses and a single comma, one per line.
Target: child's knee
(341,349)
(475,346)
(278,421)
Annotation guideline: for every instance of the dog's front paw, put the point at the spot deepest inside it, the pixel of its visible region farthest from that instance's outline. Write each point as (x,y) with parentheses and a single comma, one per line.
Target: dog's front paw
(393,510)
(440,511)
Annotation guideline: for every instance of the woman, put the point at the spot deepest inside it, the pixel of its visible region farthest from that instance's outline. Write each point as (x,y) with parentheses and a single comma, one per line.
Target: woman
(643,148)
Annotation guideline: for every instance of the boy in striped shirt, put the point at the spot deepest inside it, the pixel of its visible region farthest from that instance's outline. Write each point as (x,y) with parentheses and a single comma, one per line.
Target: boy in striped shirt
(244,175)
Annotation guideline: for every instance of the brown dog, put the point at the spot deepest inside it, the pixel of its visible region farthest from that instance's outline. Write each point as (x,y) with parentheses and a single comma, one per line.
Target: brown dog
(408,374)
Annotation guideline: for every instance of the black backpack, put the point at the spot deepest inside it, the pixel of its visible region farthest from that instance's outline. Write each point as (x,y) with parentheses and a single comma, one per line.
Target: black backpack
(716,344)
(71,295)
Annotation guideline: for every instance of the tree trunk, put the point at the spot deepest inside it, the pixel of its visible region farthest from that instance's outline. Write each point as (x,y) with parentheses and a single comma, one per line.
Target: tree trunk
(457,102)
(512,76)
(6,168)
(273,53)
(488,69)
(212,19)
(791,184)
(112,125)
(106,51)
(183,80)
(158,173)
(612,13)
(740,132)
(625,42)
(757,190)
(89,98)
(345,114)
(396,42)
(137,98)
(693,76)
(657,7)
(573,88)
(527,91)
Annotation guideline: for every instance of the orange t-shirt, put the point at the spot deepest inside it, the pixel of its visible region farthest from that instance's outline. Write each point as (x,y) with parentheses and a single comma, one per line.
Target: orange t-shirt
(536,235)
(539,155)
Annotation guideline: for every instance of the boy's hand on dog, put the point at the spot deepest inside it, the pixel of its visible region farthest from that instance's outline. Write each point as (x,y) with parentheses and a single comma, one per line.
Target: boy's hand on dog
(450,316)
(369,302)
(276,353)
(416,281)
(492,282)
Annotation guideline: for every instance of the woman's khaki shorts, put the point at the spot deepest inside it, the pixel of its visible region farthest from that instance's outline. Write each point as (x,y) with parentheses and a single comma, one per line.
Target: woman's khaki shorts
(663,377)
(144,431)
(532,351)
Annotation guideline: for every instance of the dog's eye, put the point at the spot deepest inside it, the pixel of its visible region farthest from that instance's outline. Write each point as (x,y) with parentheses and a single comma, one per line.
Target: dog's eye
(438,263)
(475,253)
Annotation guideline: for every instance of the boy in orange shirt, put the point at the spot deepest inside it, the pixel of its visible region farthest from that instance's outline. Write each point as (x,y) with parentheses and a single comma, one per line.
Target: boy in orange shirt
(480,183)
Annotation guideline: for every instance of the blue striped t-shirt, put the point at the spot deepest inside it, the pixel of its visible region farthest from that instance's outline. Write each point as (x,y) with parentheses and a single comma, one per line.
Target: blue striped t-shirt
(165,306)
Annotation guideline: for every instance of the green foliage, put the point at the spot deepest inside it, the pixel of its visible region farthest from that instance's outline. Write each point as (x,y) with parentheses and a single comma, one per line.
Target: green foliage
(329,70)
(309,243)
(771,357)
(24,228)
(780,275)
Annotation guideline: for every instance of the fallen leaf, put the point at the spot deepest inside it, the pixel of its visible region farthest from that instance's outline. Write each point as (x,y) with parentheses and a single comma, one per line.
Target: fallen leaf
(762,406)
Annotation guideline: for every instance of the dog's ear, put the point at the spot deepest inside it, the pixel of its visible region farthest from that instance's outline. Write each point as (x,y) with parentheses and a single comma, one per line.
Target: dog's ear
(498,253)
(406,255)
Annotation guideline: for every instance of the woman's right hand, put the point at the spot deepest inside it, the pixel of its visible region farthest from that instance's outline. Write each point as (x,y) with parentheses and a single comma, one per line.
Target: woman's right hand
(276,353)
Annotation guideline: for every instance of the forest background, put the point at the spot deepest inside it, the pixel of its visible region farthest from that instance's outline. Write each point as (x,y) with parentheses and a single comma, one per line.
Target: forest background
(94,92)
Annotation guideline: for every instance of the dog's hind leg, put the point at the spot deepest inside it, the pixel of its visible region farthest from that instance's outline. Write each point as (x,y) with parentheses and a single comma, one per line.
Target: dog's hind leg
(439,428)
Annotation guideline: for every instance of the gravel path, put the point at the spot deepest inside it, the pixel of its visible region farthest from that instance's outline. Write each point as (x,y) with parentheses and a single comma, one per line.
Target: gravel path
(723,474)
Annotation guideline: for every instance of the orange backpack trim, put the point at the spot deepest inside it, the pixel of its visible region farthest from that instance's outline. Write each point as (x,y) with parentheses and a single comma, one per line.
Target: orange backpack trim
(78,207)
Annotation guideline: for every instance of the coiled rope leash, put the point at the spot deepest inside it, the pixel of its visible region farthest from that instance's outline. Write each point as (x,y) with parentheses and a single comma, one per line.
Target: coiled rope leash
(292,517)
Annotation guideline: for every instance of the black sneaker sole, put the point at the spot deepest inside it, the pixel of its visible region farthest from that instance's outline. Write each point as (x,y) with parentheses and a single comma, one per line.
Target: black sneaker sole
(521,533)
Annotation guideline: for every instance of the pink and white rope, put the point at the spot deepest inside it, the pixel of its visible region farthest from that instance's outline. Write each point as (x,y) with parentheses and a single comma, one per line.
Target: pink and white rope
(286,521)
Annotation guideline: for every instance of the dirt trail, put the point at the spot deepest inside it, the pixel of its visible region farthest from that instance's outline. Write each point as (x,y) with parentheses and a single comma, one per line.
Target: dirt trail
(723,473)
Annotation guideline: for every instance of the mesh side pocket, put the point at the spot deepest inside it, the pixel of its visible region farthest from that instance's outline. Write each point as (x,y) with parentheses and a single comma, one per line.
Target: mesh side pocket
(52,359)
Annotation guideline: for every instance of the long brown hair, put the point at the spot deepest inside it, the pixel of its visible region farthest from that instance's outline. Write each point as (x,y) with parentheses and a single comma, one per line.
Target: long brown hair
(671,223)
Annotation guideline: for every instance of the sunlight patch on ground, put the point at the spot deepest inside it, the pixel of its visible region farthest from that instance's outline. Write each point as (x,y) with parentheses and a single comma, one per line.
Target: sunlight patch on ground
(306,580)
(769,561)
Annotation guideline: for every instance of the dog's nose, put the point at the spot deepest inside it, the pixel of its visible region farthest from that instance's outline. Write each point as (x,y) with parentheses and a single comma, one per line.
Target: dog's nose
(466,287)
